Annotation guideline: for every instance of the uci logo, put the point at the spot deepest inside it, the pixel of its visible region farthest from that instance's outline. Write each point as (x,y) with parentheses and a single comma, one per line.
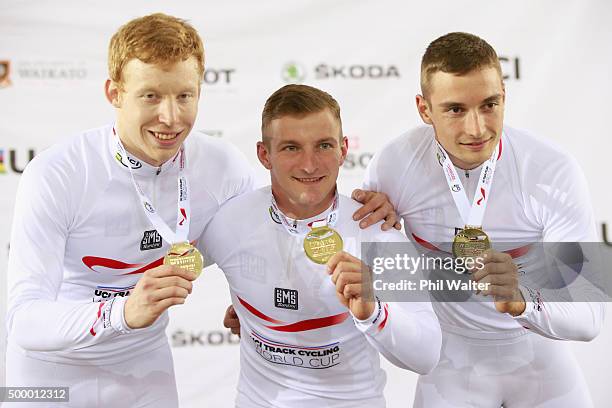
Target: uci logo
(456,188)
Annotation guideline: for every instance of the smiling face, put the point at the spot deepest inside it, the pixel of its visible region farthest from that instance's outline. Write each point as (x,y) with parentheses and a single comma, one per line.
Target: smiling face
(156,107)
(467,113)
(304,154)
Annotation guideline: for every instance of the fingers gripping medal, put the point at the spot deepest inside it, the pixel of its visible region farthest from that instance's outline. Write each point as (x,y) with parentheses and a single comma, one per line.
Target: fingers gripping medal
(321,243)
(185,256)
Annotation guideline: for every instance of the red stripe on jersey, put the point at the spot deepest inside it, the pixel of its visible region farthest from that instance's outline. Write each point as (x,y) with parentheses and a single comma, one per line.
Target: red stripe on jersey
(384,322)
(258,313)
(93,261)
(500,148)
(92,331)
(425,244)
(312,324)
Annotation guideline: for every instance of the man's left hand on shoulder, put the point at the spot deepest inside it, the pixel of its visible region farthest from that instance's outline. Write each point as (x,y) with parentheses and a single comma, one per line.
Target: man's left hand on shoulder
(347,274)
(501,274)
(376,207)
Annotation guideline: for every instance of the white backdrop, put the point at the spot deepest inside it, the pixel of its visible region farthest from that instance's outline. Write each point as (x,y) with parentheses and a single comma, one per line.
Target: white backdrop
(556,56)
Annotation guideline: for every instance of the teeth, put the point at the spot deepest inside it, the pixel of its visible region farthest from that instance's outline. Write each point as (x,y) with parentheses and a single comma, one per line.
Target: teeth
(309,179)
(165,136)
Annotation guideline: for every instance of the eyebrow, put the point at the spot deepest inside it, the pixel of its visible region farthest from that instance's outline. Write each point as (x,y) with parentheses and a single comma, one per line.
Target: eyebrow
(492,98)
(318,141)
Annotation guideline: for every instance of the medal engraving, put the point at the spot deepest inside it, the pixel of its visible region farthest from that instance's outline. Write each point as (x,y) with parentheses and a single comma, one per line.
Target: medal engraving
(185,256)
(321,243)
(470,242)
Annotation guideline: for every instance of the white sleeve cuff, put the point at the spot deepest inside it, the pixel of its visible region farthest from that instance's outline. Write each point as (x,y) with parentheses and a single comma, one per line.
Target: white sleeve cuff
(116,309)
(375,318)
(533,302)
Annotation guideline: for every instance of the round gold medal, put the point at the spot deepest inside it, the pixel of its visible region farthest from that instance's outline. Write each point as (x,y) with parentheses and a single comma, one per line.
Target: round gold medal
(470,242)
(321,243)
(185,256)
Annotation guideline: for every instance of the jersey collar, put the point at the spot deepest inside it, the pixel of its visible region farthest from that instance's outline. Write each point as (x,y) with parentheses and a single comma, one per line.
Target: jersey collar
(138,166)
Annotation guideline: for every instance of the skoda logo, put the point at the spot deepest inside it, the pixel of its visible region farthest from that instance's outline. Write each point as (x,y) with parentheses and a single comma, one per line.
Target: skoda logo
(293,73)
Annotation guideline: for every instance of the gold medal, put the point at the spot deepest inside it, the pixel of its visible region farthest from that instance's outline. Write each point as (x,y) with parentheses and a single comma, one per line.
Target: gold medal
(470,242)
(321,243)
(185,256)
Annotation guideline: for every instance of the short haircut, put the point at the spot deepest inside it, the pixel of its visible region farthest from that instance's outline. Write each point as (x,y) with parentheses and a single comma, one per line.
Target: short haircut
(456,53)
(297,100)
(154,39)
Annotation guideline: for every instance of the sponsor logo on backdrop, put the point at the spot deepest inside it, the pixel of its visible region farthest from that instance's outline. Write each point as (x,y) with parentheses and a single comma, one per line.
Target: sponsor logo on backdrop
(511,67)
(188,338)
(219,76)
(286,298)
(301,356)
(150,240)
(15,160)
(51,70)
(5,74)
(295,72)
(356,159)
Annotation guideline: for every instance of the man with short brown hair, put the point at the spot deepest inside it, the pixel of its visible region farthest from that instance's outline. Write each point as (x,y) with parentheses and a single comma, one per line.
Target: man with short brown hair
(499,346)
(311,336)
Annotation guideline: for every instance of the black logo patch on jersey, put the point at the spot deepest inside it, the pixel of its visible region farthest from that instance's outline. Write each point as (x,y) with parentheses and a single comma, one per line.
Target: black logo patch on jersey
(150,240)
(286,298)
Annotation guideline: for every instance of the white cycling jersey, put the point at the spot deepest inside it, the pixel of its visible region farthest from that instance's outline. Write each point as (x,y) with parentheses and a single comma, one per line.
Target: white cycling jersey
(539,194)
(81,240)
(300,346)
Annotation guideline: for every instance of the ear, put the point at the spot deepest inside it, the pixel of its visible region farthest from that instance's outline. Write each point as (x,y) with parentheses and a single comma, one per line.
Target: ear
(263,155)
(112,92)
(343,149)
(424,109)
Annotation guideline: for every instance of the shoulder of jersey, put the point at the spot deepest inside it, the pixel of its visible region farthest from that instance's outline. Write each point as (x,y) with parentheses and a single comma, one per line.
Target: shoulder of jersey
(535,154)
(348,206)
(247,205)
(409,142)
(73,153)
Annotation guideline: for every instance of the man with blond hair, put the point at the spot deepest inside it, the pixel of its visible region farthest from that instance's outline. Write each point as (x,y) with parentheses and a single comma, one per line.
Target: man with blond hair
(311,334)
(102,220)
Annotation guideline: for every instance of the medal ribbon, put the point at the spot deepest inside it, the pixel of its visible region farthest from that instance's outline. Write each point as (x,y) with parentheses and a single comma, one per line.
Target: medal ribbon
(471,215)
(183,210)
(296,228)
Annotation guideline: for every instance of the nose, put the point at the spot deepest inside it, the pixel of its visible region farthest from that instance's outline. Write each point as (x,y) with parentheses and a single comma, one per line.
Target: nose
(474,124)
(168,112)
(309,162)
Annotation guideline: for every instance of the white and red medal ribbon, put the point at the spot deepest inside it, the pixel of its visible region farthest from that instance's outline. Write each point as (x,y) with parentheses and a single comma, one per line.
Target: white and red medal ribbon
(474,214)
(183,210)
(296,228)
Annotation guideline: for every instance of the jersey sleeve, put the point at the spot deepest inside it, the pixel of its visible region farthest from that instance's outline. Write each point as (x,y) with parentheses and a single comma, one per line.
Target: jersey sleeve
(36,321)
(406,333)
(577,311)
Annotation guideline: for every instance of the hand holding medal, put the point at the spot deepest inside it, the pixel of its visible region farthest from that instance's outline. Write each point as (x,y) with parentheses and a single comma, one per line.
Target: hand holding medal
(501,274)
(347,274)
